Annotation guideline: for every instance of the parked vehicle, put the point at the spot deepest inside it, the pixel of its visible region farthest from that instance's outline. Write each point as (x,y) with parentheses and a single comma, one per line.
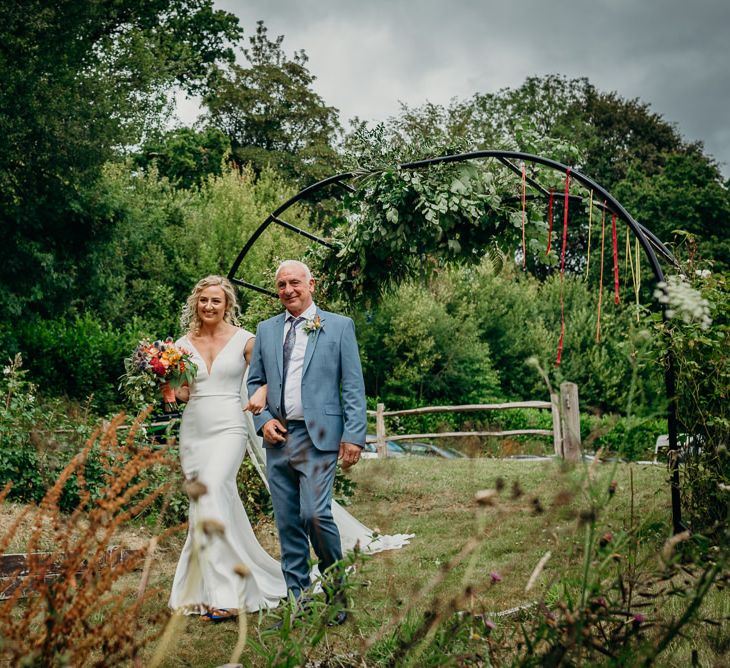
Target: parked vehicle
(163,426)
(431,450)
(370,450)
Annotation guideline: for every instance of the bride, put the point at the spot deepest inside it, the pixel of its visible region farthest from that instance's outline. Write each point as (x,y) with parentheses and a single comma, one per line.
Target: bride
(222,567)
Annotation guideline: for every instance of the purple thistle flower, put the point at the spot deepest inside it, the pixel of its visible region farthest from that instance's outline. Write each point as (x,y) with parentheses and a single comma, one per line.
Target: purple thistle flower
(495,577)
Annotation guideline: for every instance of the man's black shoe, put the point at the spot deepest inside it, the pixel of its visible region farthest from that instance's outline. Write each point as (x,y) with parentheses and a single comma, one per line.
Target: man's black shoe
(339,619)
(304,605)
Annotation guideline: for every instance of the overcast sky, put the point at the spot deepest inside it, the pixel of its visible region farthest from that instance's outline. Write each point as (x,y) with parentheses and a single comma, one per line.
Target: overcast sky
(370,55)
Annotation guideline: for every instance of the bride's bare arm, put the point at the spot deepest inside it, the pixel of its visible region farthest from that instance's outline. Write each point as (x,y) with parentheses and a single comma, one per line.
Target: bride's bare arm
(257,401)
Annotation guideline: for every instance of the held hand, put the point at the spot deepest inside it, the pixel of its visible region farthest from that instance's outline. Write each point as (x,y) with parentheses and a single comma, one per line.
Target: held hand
(257,401)
(274,431)
(349,454)
(182,393)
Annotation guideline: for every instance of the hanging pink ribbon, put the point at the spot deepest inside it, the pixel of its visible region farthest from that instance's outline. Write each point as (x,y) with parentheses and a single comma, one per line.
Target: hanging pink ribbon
(566,201)
(550,221)
(615,259)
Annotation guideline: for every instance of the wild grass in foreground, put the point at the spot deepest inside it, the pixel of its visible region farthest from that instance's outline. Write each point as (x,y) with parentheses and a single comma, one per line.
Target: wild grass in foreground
(68,608)
(514,563)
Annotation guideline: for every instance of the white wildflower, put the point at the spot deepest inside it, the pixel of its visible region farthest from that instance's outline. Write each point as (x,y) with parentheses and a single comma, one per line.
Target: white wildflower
(683,301)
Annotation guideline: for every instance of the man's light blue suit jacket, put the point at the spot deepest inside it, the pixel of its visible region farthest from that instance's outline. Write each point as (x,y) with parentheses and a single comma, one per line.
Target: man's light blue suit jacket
(333,390)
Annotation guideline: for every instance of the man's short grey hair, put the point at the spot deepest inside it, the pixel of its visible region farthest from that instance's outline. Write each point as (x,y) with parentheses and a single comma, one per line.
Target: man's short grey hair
(294,263)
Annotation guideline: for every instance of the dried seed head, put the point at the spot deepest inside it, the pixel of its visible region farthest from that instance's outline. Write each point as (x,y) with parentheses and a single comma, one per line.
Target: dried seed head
(516,490)
(605,539)
(668,549)
(194,489)
(586,516)
(598,603)
(537,506)
(562,498)
(612,488)
(499,483)
(486,497)
(213,527)
(241,570)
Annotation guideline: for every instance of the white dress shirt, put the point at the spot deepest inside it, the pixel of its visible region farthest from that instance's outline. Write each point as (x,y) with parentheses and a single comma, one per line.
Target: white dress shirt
(293,388)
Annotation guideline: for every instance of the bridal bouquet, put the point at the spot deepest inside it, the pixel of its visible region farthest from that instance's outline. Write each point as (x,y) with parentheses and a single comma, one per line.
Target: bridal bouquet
(154,367)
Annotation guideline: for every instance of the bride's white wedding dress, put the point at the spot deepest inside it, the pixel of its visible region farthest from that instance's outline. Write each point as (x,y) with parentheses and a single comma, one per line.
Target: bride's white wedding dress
(215,434)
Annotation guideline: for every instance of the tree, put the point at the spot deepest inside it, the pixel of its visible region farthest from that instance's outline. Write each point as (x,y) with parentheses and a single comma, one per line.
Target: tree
(687,195)
(80,81)
(186,156)
(272,115)
(665,182)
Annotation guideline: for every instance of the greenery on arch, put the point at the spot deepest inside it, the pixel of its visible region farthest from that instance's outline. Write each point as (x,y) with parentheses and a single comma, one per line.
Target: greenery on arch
(403,222)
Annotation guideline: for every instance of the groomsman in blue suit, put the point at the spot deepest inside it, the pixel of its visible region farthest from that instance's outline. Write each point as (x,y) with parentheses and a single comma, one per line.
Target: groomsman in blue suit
(315,414)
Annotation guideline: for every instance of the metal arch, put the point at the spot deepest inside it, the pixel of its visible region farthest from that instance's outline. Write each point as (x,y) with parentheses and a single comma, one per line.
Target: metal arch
(649,242)
(273,217)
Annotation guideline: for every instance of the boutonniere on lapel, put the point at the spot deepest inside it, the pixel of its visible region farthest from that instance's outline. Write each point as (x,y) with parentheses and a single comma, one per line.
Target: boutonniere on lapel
(312,326)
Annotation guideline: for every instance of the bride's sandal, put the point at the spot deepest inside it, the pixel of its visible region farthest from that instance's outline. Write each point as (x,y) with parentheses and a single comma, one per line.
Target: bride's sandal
(219,615)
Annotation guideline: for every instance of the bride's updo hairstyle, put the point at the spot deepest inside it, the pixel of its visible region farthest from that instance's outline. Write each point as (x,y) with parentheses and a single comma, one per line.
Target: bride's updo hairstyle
(189,319)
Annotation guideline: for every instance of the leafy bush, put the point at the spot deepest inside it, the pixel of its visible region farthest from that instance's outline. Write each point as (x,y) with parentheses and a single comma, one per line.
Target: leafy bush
(80,357)
(629,437)
(702,364)
(36,440)
(422,346)
(39,436)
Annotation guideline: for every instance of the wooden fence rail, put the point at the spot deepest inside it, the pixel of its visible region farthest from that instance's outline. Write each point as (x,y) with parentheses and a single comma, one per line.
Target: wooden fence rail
(564,410)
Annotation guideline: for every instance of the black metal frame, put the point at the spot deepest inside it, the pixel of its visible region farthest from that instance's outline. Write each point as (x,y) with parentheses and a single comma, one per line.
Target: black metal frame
(650,244)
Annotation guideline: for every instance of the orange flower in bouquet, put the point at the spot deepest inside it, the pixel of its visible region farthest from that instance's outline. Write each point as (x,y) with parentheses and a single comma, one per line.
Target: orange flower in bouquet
(154,367)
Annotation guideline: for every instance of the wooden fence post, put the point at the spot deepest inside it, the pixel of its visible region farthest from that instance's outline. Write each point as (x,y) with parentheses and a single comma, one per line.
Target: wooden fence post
(557,431)
(381,446)
(571,421)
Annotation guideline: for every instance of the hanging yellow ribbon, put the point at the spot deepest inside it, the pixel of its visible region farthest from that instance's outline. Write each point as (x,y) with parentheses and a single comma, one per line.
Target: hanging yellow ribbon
(637,283)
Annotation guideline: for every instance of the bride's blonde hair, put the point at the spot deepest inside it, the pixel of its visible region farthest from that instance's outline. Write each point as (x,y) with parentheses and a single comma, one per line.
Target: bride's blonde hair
(189,320)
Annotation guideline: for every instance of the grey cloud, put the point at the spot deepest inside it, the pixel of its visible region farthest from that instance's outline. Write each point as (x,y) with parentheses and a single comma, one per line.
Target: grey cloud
(369,56)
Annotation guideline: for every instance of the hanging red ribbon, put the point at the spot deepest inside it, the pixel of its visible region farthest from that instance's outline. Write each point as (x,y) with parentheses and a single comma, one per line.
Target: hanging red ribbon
(615,259)
(550,221)
(524,214)
(566,201)
(565,221)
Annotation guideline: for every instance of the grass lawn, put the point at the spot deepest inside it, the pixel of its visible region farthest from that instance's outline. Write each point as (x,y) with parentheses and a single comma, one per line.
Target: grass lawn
(538,510)
(539,507)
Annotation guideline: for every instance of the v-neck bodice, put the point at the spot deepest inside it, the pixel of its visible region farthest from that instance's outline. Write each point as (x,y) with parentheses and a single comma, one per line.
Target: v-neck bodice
(226,371)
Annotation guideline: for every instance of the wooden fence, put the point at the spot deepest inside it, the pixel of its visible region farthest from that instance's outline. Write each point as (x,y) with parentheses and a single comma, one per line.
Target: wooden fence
(564,409)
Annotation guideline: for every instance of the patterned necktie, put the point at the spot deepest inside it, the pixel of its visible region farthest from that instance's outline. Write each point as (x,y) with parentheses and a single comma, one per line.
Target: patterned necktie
(289,341)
